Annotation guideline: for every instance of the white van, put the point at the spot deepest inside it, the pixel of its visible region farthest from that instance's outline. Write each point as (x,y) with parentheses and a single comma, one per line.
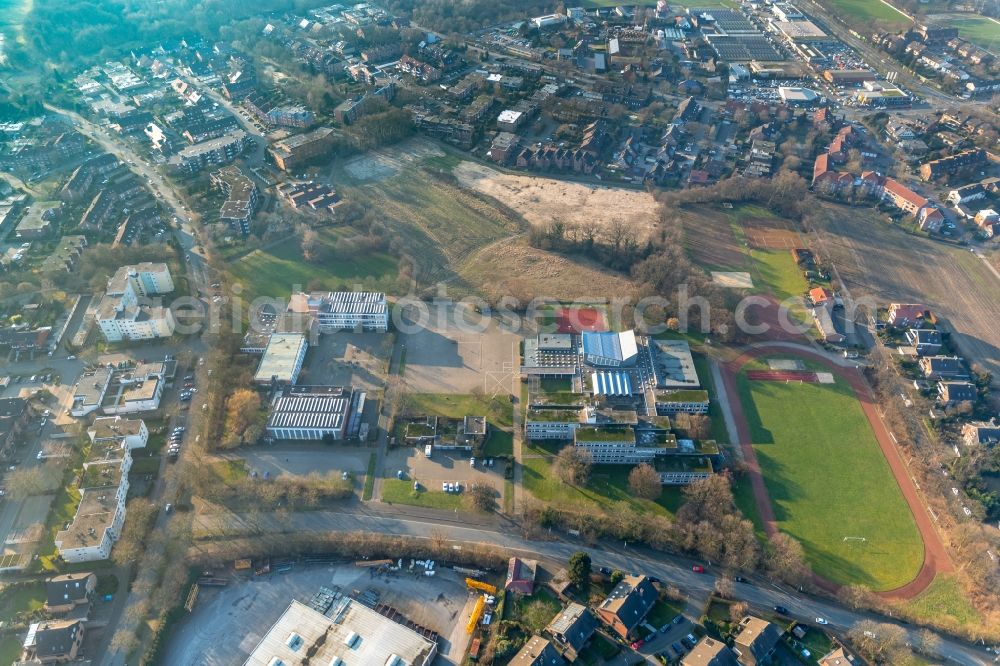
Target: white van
(428,450)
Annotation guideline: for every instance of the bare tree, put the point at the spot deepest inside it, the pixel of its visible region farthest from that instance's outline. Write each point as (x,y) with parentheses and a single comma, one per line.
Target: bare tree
(724,587)
(738,611)
(572,465)
(879,642)
(644,482)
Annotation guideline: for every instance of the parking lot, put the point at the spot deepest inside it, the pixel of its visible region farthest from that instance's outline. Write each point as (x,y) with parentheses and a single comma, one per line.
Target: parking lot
(445,353)
(305,457)
(347,359)
(227,623)
(443,467)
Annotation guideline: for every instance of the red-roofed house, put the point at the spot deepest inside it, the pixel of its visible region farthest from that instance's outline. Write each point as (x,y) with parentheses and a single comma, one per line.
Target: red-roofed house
(520,576)
(902,197)
(909,315)
(820,296)
(821,167)
(930,218)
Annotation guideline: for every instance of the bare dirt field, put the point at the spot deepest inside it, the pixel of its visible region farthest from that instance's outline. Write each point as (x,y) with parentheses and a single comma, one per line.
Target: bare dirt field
(543,200)
(884,262)
(385,163)
(227,623)
(710,239)
(443,355)
(540,274)
(771,233)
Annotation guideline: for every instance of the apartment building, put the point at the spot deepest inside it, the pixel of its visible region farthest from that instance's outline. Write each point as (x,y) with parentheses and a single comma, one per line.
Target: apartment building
(340,310)
(241,198)
(103,489)
(296,150)
(218,151)
(121,315)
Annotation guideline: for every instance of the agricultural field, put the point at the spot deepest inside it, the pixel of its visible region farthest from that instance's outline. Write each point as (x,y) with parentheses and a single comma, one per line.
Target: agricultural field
(829,483)
(276,269)
(866,12)
(885,264)
(541,201)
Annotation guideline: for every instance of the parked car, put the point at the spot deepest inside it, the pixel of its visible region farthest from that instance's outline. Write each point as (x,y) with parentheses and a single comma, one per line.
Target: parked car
(822,621)
(781,610)
(638,644)
(740,579)
(605,570)
(698,568)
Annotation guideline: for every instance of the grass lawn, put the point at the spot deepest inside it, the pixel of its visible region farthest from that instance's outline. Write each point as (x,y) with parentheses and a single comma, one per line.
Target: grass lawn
(535,612)
(400,491)
(745,502)
(980,30)
(369,479)
(701,366)
(827,479)
(598,651)
(10,649)
(608,486)
(500,443)
(439,223)
(945,598)
(21,598)
(276,270)
(229,471)
(865,12)
(145,465)
(62,511)
(498,411)
(663,612)
(776,273)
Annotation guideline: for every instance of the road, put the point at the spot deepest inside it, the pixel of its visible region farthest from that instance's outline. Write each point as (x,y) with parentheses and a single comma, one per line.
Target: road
(186,230)
(423,523)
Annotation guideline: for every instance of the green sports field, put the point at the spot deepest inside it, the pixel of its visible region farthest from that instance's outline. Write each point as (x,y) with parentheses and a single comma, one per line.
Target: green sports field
(828,479)
(864,12)
(979,30)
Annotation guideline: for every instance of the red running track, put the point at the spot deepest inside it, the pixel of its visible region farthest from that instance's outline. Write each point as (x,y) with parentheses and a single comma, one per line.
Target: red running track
(936,559)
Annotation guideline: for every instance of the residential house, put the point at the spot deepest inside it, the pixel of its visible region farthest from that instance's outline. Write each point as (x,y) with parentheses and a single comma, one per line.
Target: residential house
(927,341)
(572,629)
(537,651)
(981,433)
(756,640)
(952,164)
(628,605)
(53,641)
(838,657)
(967,193)
(520,576)
(943,367)
(906,315)
(64,593)
(954,393)
(988,220)
(709,652)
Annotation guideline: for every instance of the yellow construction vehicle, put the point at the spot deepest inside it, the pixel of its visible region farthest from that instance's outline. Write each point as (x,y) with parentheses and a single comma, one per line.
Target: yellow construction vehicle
(474,584)
(477,611)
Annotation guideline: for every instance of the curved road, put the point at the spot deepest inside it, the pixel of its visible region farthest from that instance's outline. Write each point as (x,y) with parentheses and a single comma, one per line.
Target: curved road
(460,528)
